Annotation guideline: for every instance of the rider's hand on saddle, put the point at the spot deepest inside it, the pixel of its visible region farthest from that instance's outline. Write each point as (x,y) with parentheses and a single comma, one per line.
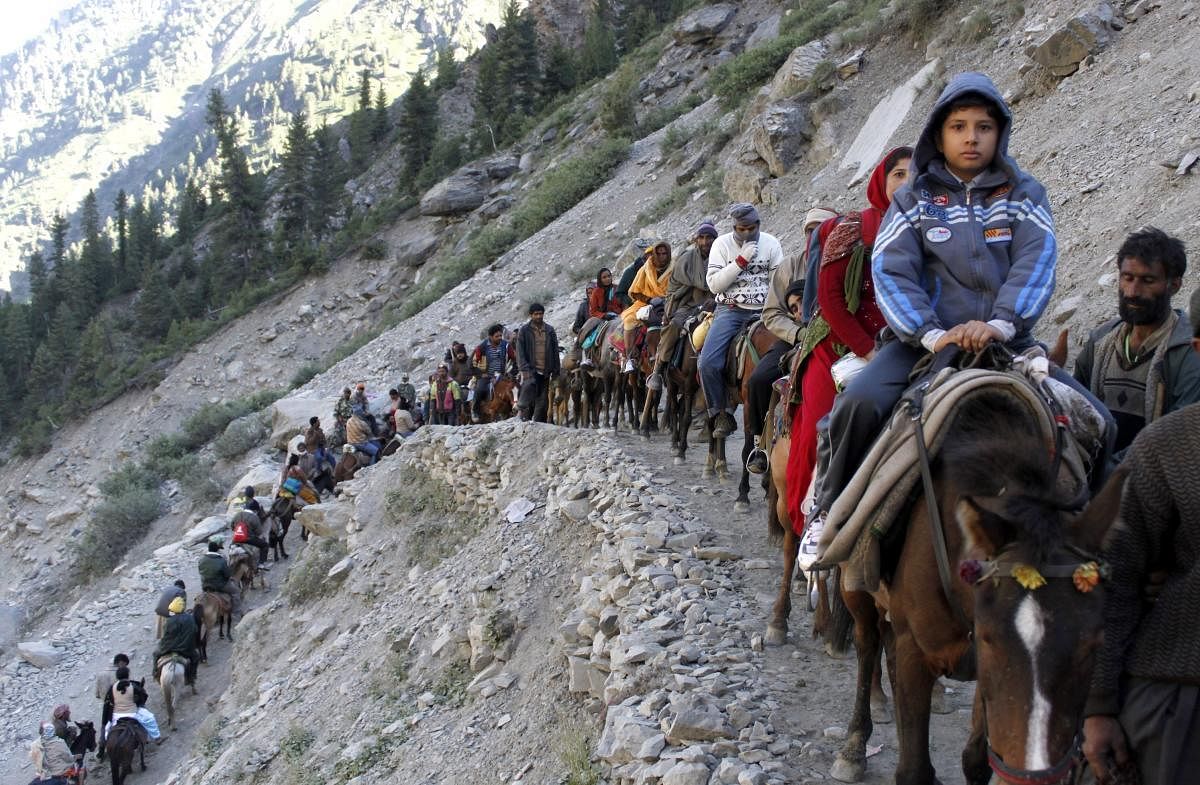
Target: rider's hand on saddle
(951,336)
(977,335)
(1105,747)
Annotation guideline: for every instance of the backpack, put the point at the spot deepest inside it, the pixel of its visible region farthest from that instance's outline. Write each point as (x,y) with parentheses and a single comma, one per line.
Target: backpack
(241,532)
(582,313)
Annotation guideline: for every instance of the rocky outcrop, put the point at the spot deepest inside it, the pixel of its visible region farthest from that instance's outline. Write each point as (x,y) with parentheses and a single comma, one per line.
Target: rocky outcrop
(459,193)
(40,654)
(290,415)
(797,72)
(1065,48)
(416,243)
(704,24)
(781,133)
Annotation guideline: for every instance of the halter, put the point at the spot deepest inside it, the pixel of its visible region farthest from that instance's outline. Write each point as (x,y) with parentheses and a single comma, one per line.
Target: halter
(1051,776)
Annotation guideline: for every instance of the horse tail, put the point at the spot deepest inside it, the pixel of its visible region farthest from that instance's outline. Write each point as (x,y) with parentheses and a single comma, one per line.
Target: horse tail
(841,622)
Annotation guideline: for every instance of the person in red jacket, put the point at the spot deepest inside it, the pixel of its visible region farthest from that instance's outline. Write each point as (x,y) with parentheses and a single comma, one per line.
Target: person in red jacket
(603,304)
(846,320)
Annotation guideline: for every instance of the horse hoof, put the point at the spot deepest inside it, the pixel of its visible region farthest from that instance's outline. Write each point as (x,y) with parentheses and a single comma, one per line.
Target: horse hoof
(677,460)
(830,653)
(741,506)
(845,771)
(776,636)
(707,473)
(881,713)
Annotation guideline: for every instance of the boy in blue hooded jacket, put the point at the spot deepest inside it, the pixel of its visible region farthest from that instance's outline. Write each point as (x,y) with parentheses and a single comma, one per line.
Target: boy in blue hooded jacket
(965,255)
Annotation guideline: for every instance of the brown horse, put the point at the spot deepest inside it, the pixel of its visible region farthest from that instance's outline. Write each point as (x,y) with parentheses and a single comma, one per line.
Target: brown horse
(212,610)
(243,564)
(1031,647)
(123,742)
(502,403)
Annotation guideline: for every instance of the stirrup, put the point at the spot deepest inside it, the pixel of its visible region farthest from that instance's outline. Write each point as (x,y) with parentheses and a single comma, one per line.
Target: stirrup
(757,462)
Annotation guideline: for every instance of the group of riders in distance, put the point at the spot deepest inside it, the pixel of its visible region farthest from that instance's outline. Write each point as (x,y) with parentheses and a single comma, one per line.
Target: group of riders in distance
(948,486)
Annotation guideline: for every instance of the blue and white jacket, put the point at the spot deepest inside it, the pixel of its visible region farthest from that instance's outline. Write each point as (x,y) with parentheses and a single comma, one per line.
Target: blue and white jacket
(950,252)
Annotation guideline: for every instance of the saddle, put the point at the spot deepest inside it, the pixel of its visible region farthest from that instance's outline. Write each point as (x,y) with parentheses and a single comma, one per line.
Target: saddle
(741,347)
(881,489)
(169,658)
(132,725)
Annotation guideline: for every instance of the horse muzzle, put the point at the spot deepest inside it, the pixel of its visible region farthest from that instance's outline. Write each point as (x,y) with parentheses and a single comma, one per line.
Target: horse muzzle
(1059,772)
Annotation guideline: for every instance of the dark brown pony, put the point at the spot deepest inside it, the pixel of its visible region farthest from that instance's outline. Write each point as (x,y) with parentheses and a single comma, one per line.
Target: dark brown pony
(501,403)
(1032,648)
(737,381)
(122,743)
(212,611)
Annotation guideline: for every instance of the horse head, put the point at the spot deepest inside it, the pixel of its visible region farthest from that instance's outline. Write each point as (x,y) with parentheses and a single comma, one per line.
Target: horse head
(1038,596)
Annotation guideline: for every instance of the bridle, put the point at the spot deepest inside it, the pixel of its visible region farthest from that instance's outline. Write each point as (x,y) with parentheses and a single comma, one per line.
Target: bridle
(1005,567)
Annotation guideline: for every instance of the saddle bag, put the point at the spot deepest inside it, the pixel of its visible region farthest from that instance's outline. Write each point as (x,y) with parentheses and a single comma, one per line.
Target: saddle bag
(292,485)
(701,331)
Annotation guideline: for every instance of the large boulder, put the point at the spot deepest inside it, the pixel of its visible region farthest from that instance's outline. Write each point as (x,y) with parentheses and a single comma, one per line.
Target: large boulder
(39,654)
(414,243)
(325,520)
(1065,48)
(797,72)
(459,193)
(289,416)
(213,524)
(263,476)
(744,182)
(780,135)
(704,24)
(502,167)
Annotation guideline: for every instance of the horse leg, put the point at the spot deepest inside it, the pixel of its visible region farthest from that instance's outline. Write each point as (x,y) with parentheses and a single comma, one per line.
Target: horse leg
(851,762)
(141,756)
(976,769)
(720,465)
(778,628)
(881,713)
(742,503)
(650,406)
(115,769)
(914,682)
(710,462)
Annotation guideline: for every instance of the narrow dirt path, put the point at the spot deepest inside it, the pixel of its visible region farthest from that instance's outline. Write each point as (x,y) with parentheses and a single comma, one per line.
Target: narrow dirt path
(814,692)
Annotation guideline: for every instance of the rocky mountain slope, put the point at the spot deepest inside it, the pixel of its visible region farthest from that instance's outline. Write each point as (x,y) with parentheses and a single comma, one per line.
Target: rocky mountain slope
(113,94)
(1130,106)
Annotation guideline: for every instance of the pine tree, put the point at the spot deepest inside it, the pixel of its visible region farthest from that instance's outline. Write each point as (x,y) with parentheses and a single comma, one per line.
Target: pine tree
(327,178)
(53,360)
(599,55)
(446,76)
(122,279)
(509,87)
(94,368)
(95,261)
(418,125)
(562,74)
(192,207)
(240,224)
(291,229)
(361,123)
(155,307)
(381,121)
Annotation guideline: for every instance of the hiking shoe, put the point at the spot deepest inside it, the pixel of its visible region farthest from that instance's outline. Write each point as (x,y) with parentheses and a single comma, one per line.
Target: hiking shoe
(264,567)
(654,382)
(757,462)
(811,540)
(724,425)
(629,366)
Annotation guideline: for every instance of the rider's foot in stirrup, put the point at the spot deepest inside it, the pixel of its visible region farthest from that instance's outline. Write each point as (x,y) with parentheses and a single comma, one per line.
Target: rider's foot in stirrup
(654,381)
(586,362)
(628,365)
(757,463)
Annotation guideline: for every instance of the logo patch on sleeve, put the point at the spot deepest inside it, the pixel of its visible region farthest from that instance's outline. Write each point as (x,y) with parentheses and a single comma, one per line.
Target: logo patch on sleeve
(941,200)
(997,234)
(937,234)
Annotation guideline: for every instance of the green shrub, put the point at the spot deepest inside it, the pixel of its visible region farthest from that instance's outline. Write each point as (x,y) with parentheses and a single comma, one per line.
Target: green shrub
(241,435)
(295,744)
(674,139)
(672,200)
(660,116)
(118,522)
(374,250)
(308,577)
(977,26)
(305,374)
(618,103)
(575,752)
(738,78)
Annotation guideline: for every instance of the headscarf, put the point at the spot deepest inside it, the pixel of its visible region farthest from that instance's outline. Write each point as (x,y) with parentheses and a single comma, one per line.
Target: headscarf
(744,212)
(176,605)
(62,711)
(817,216)
(872,217)
(47,731)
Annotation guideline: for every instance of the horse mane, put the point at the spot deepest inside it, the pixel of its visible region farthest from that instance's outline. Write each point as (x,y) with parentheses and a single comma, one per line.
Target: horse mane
(995,448)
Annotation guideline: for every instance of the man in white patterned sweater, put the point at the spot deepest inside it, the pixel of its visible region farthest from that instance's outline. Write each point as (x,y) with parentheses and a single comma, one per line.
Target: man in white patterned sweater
(739,274)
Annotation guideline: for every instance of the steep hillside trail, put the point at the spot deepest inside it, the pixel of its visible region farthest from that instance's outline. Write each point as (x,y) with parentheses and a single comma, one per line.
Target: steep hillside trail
(815,693)
(121,619)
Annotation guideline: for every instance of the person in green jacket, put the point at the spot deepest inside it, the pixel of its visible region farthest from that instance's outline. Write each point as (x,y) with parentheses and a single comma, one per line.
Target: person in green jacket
(217,577)
(180,636)
(1143,365)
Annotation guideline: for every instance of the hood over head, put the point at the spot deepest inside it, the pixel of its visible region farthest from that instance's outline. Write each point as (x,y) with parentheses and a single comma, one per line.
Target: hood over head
(960,85)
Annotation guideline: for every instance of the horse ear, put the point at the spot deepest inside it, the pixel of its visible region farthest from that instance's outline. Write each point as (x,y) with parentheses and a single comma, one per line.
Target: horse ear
(970,514)
(1095,527)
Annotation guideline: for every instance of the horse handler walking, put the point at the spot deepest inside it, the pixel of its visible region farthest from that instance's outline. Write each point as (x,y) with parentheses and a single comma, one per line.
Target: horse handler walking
(1143,713)
(537,358)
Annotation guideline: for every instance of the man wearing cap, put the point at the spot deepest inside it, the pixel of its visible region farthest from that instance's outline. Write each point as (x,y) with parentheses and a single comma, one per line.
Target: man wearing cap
(180,636)
(537,359)
(687,291)
(406,389)
(739,274)
(781,315)
(216,577)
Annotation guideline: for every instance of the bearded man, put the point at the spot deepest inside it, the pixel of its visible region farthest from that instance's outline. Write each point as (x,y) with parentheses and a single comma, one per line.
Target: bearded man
(1142,365)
